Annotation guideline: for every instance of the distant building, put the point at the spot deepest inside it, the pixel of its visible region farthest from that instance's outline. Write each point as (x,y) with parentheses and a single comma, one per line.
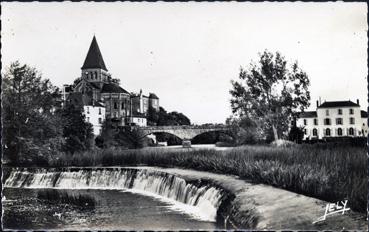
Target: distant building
(100,94)
(334,119)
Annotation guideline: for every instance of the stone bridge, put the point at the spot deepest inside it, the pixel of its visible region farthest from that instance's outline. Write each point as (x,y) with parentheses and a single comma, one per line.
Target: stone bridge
(186,133)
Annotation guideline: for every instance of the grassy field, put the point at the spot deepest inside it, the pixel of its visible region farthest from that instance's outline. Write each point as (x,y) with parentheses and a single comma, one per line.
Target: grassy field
(326,172)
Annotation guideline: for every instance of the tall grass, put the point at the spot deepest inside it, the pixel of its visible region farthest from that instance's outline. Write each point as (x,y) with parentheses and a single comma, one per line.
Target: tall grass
(321,171)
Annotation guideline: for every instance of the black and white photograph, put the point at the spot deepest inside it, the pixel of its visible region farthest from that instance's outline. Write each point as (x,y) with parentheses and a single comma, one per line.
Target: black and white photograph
(172,116)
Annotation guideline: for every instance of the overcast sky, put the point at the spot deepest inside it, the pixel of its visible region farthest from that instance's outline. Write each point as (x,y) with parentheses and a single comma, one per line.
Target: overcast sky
(187,53)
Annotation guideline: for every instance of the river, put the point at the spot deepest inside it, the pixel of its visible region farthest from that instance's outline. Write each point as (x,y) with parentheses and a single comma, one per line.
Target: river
(123,200)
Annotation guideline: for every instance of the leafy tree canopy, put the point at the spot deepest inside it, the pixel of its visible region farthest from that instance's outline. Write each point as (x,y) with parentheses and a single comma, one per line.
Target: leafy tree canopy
(163,118)
(28,111)
(270,92)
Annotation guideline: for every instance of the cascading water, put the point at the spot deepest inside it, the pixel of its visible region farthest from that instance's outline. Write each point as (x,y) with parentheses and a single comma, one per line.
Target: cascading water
(200,201)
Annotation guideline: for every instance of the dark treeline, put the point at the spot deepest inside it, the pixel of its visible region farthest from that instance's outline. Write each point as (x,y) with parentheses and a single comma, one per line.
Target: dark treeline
(35,125)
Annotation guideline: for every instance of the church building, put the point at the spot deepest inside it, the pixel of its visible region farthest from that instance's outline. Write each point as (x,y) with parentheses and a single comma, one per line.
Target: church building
(102,97)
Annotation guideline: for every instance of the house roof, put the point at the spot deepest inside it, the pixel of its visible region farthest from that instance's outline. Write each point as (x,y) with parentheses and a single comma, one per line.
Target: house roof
(364,114)
(94,58)
(112,88)
(78,99)
(94,85)
(331,104)
(308,114)
(153,96)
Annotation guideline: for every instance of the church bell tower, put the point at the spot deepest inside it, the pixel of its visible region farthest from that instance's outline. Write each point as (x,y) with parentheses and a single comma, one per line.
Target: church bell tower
(94,69)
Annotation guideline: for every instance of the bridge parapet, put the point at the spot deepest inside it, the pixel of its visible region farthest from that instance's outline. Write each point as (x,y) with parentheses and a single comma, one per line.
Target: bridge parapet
(221,127)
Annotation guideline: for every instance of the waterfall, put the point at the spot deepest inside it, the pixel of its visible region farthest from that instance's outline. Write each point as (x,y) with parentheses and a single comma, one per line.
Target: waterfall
(200,201)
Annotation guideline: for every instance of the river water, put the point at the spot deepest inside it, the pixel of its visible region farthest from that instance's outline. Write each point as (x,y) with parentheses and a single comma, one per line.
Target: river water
(123,200)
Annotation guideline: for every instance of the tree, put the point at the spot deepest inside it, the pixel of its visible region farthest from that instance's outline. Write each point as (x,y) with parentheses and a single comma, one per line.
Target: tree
(28,106)
(77,132)
(296,134)
(107,137)
(270,93)
(163,118)
(152,116)
(243,130)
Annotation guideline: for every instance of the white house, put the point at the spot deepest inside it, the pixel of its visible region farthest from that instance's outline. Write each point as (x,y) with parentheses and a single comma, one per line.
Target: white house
(334,119)
(139,120)
(95,114)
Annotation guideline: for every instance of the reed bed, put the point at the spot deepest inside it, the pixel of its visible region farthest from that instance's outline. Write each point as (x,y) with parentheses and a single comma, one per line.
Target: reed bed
(326,172)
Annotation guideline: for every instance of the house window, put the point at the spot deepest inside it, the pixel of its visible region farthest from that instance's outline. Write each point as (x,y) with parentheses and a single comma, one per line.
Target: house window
(123,106)
(351,111)
(315,121)
(338,121)
(315,132)
(327,112)
(328,132)
(305,122)
(115,105)
(88,109)
(99,110)
(305,131)
(116,114)
(100,120)
(88,119)
(352,120)
(339,131)
(351,131)
(339,111)
(327,121)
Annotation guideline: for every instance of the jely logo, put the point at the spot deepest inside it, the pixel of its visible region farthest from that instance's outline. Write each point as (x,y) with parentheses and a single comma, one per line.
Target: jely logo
(333,208)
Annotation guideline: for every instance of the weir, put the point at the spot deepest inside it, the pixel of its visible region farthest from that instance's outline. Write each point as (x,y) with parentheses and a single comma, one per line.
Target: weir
(204,199)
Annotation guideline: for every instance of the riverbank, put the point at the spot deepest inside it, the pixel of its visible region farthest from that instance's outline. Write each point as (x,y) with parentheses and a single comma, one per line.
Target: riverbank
(329,173)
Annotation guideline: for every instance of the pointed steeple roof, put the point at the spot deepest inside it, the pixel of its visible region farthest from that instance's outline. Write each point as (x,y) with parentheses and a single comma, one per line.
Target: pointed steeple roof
(94,58)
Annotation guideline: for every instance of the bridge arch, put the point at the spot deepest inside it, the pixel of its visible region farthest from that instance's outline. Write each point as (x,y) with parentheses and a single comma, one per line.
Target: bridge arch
(185,133)
(174,140)
(218,132)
